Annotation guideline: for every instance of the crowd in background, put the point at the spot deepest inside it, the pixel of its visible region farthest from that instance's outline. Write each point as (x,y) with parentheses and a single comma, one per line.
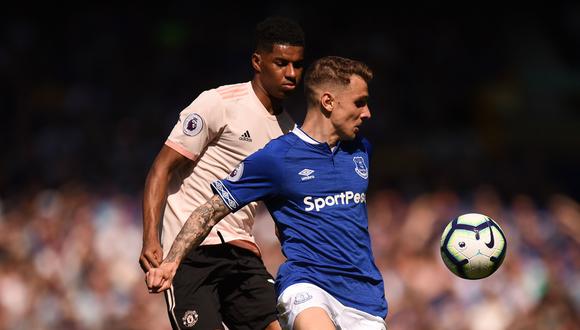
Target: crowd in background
(474,109)
(69,260)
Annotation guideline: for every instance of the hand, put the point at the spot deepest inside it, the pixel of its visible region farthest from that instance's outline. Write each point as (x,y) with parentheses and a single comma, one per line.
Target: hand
(160,278)
(151,254)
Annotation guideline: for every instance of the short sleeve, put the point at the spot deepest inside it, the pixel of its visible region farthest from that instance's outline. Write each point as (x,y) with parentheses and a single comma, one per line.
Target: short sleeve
(254,179)
(198,125)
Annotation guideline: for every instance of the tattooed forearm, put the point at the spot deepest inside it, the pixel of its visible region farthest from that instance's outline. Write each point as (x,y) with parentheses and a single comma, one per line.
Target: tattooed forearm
(197,227)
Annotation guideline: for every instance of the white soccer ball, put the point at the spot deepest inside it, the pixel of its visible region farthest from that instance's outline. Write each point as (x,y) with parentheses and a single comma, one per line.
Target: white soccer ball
(473,246)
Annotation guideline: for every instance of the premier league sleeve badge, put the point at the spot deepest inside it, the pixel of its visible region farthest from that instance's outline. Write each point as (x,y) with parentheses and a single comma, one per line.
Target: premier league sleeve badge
(192,125)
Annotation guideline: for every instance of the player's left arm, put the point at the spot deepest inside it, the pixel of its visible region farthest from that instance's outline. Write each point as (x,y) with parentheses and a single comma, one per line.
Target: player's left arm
(193,232)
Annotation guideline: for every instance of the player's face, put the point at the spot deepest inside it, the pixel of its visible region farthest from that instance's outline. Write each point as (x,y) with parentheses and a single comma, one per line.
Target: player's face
(351,108)
(281,69)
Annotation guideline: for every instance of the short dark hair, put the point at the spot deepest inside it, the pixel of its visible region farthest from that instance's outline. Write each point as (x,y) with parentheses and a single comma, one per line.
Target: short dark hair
(335,70)
(278,30)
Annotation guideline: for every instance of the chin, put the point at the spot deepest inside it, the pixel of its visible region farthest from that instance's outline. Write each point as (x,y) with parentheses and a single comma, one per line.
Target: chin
(286,93)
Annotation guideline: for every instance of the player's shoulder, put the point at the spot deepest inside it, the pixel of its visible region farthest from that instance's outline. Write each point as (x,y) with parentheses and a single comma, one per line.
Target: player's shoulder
(213,99)
(232,92)
(359,143)
(365,143)
(272,155)
(275,150)
(282,143)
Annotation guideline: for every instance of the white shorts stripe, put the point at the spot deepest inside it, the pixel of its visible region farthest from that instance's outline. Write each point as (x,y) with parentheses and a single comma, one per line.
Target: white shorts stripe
(170,298)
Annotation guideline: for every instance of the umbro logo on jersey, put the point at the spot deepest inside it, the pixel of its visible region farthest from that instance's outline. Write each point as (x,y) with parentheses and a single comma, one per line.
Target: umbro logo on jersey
(306,174)
(246,137)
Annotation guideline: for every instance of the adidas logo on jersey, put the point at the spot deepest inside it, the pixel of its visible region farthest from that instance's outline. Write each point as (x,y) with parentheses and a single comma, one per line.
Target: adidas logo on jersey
(246,137)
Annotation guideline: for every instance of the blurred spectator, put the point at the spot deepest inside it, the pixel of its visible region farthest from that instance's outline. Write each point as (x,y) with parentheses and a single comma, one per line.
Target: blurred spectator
(68,262)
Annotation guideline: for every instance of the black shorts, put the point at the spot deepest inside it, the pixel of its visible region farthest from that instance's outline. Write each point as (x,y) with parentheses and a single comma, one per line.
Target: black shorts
(221,283)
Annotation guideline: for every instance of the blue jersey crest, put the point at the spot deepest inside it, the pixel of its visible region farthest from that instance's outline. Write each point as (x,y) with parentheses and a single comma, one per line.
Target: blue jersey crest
(360,167)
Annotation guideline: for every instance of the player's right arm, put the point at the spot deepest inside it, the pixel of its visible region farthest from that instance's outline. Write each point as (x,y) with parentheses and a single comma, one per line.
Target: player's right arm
(154,198)
(256,180)
(193,232)
(198,124)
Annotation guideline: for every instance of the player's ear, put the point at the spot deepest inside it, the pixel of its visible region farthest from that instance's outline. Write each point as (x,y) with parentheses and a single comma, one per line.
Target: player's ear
(256,62)
(327,101)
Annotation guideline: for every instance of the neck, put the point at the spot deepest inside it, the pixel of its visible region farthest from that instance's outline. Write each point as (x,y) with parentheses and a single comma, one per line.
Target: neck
(320,128)
(273,105)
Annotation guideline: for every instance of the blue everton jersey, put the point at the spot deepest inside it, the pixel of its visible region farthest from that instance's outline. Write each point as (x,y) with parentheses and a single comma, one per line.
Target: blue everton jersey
(317,197)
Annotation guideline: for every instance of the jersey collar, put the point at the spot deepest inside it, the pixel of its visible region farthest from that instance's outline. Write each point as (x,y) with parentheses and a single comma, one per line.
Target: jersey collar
(311,141)
(303,136)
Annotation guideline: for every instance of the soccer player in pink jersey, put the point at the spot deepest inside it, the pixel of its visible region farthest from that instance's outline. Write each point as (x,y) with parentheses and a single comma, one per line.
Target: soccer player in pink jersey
(223,280)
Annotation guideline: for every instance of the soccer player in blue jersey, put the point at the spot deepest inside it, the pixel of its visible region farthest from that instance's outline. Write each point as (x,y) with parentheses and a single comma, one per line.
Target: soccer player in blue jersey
(314,182)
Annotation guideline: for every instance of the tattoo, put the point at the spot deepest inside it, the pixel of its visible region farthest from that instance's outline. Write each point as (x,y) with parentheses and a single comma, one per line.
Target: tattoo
(197,227)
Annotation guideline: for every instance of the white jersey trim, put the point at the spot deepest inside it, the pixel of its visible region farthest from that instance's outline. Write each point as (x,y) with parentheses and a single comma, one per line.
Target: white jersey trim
(303,136)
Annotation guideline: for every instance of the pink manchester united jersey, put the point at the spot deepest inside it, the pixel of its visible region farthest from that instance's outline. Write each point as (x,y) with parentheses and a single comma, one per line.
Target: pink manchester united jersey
(217,130)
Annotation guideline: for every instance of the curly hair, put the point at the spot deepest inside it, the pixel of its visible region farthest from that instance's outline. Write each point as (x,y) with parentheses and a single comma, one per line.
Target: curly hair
(278,30)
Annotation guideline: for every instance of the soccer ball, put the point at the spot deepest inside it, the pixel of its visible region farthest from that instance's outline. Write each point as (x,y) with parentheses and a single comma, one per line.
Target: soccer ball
(473,246)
